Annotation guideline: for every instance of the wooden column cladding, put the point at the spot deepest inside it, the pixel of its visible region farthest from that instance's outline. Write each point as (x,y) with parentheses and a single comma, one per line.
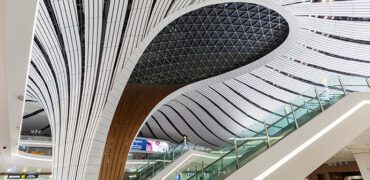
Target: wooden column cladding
(134,106)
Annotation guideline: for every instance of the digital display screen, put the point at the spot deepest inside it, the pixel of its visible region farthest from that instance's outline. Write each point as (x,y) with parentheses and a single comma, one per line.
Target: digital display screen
(156,146)
(139,144)
(23,176)
(150,145)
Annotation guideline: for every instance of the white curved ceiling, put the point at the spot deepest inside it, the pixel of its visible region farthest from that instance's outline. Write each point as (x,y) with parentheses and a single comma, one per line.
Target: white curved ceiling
(34,118)
(327,47)
(83,52)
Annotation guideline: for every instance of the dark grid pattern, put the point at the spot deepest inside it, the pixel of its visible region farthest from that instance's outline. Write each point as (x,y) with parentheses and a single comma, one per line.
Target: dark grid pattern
(210,41)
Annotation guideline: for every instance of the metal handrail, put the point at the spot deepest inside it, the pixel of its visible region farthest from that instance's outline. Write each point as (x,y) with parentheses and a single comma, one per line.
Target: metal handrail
(342,88)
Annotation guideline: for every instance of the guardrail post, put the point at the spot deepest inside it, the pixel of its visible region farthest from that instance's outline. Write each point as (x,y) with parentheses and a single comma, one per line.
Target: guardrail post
(319,100)
(222,164)
(286,115)
(341,85)
(164,160)
(306,105)
(203,169)
(294,117)
(267,134)
(368,82)
(236,153)
(196,170)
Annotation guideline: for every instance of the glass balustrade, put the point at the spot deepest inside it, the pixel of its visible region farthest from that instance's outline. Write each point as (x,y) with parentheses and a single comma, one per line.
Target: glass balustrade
(158,162)
(38,151)
(36,145)
(35,138)
(312,102)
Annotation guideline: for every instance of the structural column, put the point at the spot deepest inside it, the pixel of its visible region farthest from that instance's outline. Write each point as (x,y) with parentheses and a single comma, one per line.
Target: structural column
(135,104)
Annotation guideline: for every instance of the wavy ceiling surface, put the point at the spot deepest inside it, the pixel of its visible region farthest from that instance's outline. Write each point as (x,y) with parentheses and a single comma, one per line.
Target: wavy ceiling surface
(81,46)
(35,120)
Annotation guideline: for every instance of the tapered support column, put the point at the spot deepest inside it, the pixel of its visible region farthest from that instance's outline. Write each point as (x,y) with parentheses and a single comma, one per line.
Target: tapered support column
(363,162)
(135,104)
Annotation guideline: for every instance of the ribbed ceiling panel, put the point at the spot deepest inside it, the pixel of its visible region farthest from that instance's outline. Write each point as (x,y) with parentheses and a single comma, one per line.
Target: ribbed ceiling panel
(314,58)
(81,47)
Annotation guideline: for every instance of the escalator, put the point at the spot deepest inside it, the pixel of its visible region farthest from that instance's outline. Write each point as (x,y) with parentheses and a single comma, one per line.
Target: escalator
(248,149)
(191,158)
(161,163)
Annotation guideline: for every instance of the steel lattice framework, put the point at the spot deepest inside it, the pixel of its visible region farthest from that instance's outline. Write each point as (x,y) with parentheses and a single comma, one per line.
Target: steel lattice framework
(210,41)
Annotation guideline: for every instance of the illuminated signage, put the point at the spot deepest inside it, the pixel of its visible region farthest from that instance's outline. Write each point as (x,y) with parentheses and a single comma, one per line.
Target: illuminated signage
(23,176)
(156,146)
(150,145)
(139,144)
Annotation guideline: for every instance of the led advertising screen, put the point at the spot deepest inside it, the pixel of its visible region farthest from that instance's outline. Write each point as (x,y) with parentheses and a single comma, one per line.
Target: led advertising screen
(149,145)
(139,144)
(157,146)
(23,176)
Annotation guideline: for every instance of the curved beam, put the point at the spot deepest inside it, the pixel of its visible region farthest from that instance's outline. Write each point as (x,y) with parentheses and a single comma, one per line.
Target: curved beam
(110,110)
(135,103)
